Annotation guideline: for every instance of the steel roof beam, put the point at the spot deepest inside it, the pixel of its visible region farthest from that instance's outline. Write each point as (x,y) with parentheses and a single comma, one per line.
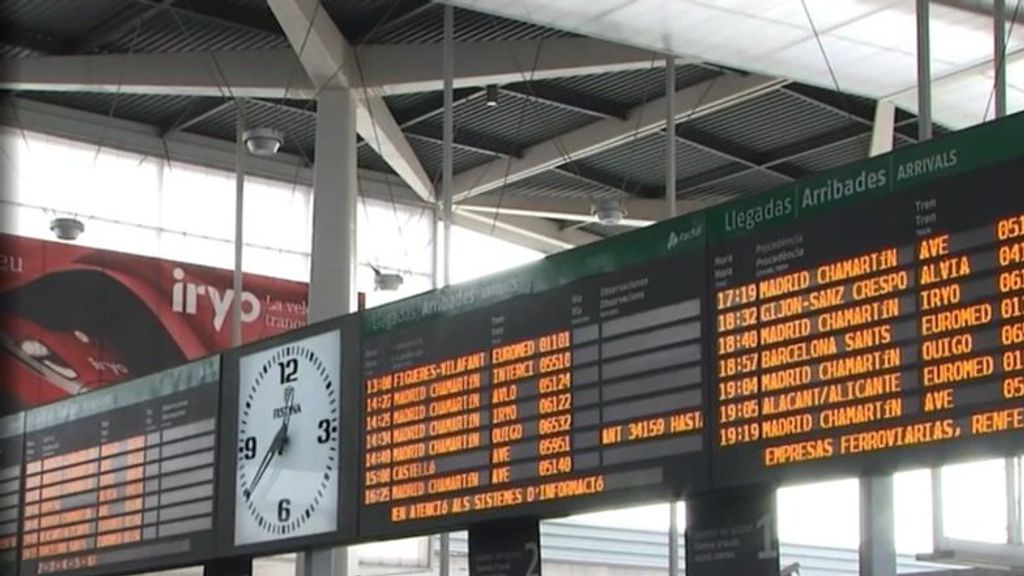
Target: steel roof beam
(568,100)
(389,70)
(601,135)
(329,60)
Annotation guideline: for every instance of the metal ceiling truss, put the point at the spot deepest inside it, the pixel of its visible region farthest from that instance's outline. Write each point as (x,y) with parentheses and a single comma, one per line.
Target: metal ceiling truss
(848,106)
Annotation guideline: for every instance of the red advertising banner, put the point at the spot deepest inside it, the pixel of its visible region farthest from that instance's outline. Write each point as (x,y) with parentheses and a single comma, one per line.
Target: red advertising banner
(75,318)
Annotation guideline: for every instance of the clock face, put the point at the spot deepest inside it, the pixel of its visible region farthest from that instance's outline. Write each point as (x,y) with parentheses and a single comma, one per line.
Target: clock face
(289,408)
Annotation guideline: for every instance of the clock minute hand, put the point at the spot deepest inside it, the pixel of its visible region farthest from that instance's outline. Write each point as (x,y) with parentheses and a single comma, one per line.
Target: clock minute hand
(289,400)
(268,456)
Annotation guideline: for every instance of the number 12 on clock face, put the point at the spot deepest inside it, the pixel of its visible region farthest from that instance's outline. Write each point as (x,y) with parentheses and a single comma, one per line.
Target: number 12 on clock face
(288,449)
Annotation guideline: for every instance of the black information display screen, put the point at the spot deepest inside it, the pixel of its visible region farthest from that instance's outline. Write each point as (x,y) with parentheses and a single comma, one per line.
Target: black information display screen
(589,389)
(122,479)
(732,532)
(505,548)
(12,429)
(873,319)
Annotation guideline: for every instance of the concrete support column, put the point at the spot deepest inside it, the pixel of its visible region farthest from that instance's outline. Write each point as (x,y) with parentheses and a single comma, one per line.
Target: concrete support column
(924,71)
(999,58)
(877,522)
(877,527)
(335,204)
(670,137)
(333,265)
(236,283)
(673,538)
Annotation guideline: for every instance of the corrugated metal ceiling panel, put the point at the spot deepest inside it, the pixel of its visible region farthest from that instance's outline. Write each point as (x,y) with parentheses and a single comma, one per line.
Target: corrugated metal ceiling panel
(368,159)
(770,122)
(156,110)
(515,120)
(63,19)
(556,184)
(179,31)
(829,157)
(632,88)
(430,153)
(428,27)
(643,161)
(8,51)
(749,182)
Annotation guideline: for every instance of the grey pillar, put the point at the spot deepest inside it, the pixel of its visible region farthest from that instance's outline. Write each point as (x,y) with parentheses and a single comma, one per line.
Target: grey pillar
(673,539)
(924,72)
(335,203)
(236,283)
(670,137)
(999,58)
(448,138)
(877,524)
(333,262)
(877,532)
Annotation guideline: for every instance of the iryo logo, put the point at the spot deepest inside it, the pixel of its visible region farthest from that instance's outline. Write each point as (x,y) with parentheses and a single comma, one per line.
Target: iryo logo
(185,297)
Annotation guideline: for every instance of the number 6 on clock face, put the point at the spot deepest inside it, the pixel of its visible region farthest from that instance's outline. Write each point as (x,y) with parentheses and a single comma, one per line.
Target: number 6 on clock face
(288,449)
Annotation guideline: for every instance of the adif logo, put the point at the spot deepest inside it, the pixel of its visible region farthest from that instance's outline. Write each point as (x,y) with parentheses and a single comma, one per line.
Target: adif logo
(185,298)
(675,239)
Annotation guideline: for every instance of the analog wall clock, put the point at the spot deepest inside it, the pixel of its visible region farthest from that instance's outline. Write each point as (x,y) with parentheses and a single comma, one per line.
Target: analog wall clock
(288,449)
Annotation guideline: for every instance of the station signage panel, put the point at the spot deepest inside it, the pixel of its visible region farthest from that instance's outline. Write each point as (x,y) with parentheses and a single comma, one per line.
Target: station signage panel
(873,318)
(582,382)
(122,479)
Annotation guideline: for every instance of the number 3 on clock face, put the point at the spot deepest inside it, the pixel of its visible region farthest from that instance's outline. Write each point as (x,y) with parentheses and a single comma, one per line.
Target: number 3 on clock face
(288,455)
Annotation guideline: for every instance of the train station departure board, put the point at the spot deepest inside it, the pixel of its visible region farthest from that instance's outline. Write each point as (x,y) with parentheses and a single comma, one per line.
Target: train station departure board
(575,385)
(12,428)
(873,318)
(122,479)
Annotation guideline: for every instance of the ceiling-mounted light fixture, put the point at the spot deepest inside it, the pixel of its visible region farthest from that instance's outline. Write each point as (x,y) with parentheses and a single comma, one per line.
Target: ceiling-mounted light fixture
(67,228)
(386,281)
(263,141)
(608,211)
(491,95)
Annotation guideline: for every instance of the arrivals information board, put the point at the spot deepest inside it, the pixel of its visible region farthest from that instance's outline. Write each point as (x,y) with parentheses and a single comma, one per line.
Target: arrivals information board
(580,385)
(123,479)
(872,318)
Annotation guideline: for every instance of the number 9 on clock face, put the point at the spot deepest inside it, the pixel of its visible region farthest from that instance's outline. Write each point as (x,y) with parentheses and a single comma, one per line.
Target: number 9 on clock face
(288,449)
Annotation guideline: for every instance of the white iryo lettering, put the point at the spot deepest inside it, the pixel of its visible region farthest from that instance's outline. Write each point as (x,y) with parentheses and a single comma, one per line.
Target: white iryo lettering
(185,297)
